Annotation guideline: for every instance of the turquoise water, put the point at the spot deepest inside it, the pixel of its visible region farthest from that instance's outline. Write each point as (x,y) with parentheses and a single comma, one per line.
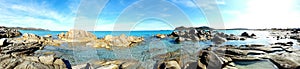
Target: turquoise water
(144,52)
(103,33)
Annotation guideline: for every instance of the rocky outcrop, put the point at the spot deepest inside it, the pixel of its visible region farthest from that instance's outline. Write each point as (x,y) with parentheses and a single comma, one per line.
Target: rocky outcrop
(18,53)
(74,35)
(9,33)
(190,34)
(120,41)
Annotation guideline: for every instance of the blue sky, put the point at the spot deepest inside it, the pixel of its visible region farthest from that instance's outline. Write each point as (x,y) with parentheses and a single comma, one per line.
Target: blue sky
(148,14)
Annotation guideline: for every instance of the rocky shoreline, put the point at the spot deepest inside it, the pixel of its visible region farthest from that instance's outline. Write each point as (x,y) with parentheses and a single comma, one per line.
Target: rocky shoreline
(17,50)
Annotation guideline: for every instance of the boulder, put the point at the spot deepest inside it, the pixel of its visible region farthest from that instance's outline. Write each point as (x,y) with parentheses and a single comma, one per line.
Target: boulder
(160,36)
(74,35)
(169,65)
(245,34)
(218,40)
(46,59)
(209,60)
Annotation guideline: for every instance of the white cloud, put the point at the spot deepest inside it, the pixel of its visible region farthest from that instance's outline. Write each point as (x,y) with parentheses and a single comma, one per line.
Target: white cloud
(34,14)
(267,14)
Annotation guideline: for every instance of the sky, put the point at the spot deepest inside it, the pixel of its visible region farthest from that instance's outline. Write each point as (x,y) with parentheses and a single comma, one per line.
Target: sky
(110,15)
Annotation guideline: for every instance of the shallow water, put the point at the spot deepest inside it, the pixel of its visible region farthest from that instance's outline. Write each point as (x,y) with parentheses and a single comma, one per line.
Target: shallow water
(262,64)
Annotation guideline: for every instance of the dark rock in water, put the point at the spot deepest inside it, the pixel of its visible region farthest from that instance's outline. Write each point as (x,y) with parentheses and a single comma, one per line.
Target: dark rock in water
(252,35)
(9,33)
(245,34)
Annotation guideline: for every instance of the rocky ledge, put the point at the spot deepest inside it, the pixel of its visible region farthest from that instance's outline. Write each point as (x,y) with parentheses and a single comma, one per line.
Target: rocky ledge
(91,40)
(18,53)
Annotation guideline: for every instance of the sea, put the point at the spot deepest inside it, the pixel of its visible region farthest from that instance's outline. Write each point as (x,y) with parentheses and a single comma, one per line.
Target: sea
(145,52)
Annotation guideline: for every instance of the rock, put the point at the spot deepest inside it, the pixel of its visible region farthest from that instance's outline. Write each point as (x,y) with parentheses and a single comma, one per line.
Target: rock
(245,34)
(48,36)
(229,67)
(112,66)
(74,35)
(218,40)
(108,38)
(179,39)
(130,65)
(252,35)
(160,36)
(231,64)
(46,59)
(209,60)
(59,62)
(169,65)
(286,60)
(9,33)
(3,42)
(32,58)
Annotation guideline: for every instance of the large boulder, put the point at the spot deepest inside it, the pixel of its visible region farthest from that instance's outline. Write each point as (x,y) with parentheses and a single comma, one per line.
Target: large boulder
(218,39)
(74,35)
(209,60)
